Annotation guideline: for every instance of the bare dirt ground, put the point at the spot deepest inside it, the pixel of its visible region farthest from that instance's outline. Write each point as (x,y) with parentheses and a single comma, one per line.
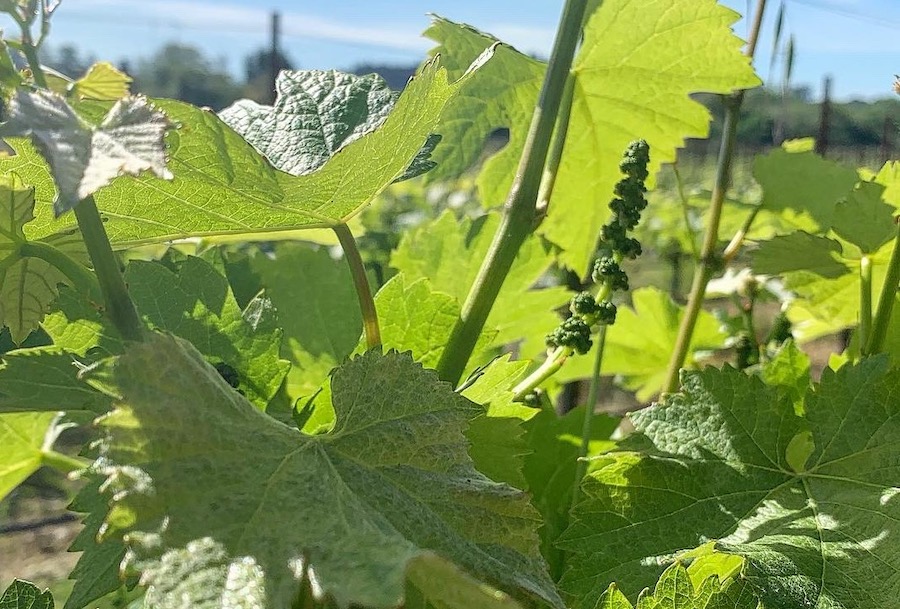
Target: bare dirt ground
(39,555)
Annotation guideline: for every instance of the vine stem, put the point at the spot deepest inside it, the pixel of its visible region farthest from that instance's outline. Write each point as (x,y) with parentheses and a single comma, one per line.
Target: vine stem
(685,211)
(710,261)
(119,306)
(361,283)
(548,181)
(520,209)
(885,301)
(865,299)
(557,358)
(593,394)
(63,463)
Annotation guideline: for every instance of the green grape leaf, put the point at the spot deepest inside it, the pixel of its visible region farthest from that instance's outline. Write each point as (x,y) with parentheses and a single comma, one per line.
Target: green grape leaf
(45,379)
(10,77)
(97,572)
(827,304)
(81,328)
(84,158)
(634,75)
(25,595)
(892,338)
(801,188)
(676,590)
(417,319)
(502,94)
(864,219)
(449,253)
(352,508)
(24,437)
(102,82)
(438,584)
(223,186)
(555,443)
(413,317)
(496,437)
(28,285)
(195,303)
(789,369)
(317,309)
(721,461)
(800,251)
(316,113)
(889,178)
(638,345)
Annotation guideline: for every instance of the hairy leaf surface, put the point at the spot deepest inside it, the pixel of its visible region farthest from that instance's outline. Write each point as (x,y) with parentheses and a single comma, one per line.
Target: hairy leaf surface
(251,504)
(84,158)
(316,113)
(720,461)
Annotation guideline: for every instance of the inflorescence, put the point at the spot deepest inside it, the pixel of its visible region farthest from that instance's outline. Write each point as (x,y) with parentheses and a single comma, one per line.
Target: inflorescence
(587,309)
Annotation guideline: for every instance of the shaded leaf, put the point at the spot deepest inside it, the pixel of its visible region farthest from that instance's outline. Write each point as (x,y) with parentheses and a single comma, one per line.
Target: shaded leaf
(497,438)
(317,308)
(864,219)
(800,251)
(97,572)
(555,443)
(802,188)
(354,507)
(45,380)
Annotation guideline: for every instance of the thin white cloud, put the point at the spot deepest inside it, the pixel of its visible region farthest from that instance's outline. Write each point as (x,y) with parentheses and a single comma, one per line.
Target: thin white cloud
(224,17)
(532,40)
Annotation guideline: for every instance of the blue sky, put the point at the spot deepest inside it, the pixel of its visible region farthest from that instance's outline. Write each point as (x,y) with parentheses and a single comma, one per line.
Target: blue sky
(856,41)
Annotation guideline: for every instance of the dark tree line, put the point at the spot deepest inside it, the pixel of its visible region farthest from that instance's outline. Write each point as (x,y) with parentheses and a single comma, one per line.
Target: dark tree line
(183,72)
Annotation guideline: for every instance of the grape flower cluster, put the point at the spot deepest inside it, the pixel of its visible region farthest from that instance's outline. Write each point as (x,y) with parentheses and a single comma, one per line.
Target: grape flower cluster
(586,308)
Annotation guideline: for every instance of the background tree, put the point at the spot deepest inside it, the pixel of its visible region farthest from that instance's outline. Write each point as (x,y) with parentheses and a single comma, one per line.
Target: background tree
(67,59)
(258,74)
(182,72)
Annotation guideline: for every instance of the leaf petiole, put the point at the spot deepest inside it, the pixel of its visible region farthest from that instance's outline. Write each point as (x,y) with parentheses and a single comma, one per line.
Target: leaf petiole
(885,302)
(119,306)
(361,283)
